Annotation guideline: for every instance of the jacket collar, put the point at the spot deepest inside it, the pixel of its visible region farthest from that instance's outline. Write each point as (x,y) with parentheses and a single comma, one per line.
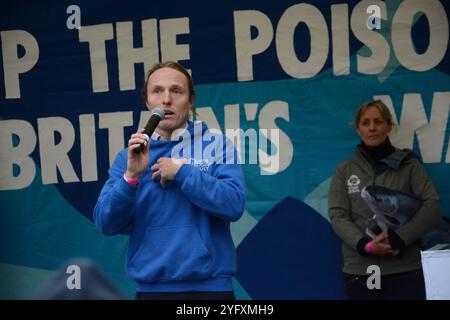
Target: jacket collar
(392,161)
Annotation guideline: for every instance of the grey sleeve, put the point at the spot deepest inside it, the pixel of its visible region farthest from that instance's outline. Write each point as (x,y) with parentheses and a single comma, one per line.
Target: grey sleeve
(339,211)
(429,214)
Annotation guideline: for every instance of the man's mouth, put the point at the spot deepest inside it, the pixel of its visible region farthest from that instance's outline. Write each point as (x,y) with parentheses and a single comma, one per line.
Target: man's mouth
(168,113)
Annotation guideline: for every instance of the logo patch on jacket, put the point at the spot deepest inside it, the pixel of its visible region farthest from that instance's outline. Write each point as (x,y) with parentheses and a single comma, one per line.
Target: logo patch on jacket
(202,164)
(353,184)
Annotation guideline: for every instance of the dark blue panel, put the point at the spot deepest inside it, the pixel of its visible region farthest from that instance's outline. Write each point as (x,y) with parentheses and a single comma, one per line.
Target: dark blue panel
(292,253)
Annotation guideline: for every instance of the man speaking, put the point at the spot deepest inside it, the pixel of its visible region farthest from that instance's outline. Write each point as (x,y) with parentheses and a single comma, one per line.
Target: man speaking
(175,203)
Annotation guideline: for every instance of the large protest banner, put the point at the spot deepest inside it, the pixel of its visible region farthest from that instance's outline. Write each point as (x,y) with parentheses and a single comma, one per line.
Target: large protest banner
(70,81)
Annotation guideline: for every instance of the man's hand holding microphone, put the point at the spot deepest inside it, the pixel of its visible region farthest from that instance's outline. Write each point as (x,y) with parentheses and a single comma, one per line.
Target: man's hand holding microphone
(138,146)
(138,155)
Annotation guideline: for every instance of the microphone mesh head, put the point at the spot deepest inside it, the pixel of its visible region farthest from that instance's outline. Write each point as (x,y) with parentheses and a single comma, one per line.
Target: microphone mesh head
(159,112)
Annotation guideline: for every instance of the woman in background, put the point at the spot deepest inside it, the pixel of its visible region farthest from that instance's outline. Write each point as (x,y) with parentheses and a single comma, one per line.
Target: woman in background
(396,253)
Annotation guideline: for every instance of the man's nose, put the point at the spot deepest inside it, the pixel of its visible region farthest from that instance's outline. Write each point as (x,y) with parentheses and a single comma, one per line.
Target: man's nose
(167,99)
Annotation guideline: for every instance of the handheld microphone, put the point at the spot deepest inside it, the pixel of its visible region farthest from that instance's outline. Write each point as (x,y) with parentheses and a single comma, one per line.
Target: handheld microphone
(156,116)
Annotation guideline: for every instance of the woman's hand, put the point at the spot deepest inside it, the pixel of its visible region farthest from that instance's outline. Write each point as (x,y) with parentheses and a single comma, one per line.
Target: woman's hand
(381,245)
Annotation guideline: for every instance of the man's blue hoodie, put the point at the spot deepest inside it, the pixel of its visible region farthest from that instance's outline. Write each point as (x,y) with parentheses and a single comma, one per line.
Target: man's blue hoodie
(179,236)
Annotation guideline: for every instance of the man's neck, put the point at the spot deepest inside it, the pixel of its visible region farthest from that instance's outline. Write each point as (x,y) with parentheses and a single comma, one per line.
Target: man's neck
(167,134)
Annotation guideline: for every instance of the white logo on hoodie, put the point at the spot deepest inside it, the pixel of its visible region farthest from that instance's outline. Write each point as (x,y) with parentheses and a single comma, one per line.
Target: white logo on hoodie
(202,164)
(353,184)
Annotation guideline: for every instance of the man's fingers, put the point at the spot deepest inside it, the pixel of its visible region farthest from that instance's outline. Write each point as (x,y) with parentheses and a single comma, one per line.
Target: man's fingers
(134,141)
(139,135)
(138,138)
(133,146)
(156,174)
(147,146)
